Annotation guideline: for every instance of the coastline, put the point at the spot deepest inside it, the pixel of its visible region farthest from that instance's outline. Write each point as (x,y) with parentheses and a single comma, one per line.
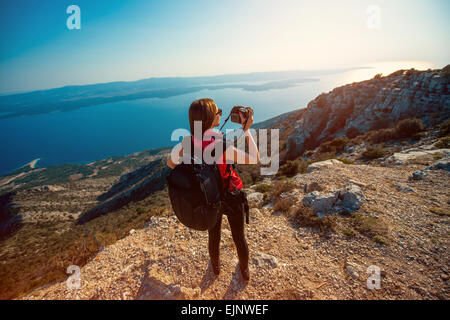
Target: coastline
(32,164)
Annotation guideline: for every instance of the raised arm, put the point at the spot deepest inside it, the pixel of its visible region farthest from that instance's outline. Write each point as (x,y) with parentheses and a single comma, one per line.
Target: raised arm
(237,155)
(176,154)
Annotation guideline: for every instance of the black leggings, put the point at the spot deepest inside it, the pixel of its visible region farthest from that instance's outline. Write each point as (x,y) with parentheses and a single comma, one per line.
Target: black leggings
(236,221)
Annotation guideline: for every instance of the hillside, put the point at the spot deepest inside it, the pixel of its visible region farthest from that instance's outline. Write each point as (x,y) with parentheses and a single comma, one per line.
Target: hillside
(112,217)
(292,256)
(356,108)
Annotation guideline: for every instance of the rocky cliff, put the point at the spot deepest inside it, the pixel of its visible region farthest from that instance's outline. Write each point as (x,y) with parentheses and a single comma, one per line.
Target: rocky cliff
(379,102)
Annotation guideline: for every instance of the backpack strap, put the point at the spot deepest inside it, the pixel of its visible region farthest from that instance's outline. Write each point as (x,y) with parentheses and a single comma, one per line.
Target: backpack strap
(193,152)
(243,200)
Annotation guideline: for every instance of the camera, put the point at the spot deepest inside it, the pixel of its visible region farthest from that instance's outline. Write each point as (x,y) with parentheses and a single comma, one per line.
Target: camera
(239,110)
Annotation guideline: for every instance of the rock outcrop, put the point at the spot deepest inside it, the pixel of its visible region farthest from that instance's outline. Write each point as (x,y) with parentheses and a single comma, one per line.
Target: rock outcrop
(359,107)
(348,199)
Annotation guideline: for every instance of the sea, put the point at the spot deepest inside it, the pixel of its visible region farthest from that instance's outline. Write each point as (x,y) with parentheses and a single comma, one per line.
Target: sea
(113,129)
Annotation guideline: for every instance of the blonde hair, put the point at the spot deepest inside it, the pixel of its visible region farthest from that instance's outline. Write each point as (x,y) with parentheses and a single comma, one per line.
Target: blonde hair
(203,110)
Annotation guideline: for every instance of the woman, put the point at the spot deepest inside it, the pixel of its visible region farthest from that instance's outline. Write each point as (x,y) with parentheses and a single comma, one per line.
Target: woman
(206,111)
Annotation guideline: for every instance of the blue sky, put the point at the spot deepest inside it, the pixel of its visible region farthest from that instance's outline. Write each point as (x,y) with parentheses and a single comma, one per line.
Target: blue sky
(134,39)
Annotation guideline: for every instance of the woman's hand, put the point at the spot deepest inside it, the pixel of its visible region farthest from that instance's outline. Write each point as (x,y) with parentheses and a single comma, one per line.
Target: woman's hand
(247,124)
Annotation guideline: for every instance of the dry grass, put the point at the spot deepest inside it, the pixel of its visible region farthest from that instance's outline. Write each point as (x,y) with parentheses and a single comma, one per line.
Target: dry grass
(375,228)
(439,211)
(283,205)
(280,187)
(291,168)
(263,187)
(305,217)
(39,253)
(443,143)
(374,152)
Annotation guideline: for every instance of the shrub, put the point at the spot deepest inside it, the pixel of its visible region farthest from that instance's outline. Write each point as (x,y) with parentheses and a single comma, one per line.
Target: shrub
(444,129)
(443,142)
(281,186)
(348,232)
(250,174)
(322,157)
(408,128)
(381,135)
(291,168)
(141,210)
(374,152)
(370,226)
(283,205)
(336,145)
(263,187)
(305,217)
(381,240)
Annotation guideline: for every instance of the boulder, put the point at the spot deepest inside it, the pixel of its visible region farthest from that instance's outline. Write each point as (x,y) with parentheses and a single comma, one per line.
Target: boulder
(408,155)
(263,259)
(352,197)
(255,199)
(405,188)
(443,164)
(318,165)
(254,214)
(321,202)
(352,269)
(418,175)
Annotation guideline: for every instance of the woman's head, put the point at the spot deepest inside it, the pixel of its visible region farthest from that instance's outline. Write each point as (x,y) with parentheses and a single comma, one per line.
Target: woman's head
(206,111)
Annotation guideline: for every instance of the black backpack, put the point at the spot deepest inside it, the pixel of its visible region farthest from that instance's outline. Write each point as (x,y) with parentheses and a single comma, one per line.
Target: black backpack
(197,193)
